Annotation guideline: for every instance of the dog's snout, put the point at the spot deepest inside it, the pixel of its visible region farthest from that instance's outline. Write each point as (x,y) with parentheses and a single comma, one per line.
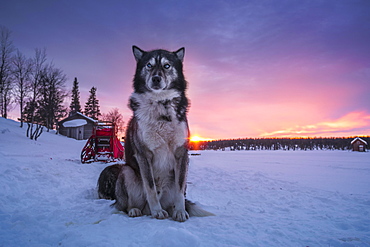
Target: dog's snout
(156,82)
(156,79)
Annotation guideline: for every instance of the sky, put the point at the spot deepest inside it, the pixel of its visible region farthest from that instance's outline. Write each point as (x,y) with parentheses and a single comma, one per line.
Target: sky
(255,68)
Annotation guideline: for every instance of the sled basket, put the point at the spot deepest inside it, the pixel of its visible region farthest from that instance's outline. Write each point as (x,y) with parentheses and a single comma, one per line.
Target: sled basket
(103,145)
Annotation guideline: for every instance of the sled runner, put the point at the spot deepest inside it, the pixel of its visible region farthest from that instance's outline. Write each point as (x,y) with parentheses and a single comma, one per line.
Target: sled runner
(103,145)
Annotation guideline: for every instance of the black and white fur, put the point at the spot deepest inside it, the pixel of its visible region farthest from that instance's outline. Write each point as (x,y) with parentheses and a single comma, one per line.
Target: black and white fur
(153,181)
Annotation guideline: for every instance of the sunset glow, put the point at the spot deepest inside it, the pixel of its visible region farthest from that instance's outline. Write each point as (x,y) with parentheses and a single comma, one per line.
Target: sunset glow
(254,69)
(347,125)
(196,138)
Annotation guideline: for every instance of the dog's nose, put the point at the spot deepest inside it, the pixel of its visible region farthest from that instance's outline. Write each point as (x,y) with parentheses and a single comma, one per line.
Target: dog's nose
(156,79)
(156,82)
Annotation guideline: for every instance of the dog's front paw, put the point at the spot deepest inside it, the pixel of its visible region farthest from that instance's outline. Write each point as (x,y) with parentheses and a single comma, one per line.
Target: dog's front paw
(135,212)
(180,215)
(160,214)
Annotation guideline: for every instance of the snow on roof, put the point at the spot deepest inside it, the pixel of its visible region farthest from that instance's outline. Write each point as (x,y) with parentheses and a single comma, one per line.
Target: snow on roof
(105,124)
(89,118)
(358,138)
(75,123)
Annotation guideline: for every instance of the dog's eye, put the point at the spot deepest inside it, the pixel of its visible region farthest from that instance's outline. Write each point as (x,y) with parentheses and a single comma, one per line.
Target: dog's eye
(149,66)
(167,66)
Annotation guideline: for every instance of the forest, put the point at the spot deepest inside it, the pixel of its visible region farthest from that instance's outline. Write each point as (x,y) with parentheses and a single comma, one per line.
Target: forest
(315,143)
(38,87)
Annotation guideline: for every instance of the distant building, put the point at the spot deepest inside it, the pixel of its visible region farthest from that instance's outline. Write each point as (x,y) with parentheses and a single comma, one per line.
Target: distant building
(358,145)
(77,126)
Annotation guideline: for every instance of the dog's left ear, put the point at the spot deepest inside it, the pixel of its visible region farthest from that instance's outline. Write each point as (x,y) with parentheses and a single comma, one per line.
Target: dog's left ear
(180,53)
(138,53)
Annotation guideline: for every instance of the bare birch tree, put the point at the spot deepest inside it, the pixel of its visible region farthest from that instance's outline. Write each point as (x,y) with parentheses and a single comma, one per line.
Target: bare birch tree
(22,68)
(33,121)
(6,50)
(52,96)
(116,118)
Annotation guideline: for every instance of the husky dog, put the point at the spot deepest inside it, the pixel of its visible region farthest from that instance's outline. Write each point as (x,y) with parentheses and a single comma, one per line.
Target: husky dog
(153,181)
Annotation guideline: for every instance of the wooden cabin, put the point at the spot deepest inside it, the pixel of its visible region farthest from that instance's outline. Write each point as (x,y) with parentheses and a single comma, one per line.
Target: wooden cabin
(77,126)
(358,145)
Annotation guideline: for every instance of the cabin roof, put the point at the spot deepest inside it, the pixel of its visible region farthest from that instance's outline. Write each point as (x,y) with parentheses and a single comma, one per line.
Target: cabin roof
(359,139)
(74,117)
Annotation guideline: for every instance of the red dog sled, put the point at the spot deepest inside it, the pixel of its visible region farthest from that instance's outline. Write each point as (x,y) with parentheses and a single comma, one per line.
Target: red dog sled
(103,145)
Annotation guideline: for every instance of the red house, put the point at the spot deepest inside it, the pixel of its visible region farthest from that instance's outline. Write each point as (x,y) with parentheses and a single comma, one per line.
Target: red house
(358,145)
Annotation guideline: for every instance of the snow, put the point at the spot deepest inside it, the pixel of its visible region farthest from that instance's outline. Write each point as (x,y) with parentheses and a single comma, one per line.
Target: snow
(260,198)
(75,123)
(89,118)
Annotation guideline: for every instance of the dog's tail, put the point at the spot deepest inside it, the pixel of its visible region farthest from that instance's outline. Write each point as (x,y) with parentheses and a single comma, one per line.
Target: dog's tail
(107,182)
(195,210)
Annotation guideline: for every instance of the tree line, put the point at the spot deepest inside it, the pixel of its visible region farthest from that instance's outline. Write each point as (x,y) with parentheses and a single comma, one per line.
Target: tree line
(315,143)
(39,88)
(92,108)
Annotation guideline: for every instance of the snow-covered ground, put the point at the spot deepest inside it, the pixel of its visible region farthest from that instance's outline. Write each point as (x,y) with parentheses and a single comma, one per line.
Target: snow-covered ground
(260,198)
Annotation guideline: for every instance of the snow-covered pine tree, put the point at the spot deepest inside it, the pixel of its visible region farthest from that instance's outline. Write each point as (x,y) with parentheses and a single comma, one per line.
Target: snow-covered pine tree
(92,108)
(75,103)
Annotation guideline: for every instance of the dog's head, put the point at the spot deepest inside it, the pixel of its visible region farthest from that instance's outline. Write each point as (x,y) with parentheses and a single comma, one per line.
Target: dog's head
(158,70)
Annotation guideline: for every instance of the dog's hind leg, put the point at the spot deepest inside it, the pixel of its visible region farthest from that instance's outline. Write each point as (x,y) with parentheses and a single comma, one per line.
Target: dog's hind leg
(130,196)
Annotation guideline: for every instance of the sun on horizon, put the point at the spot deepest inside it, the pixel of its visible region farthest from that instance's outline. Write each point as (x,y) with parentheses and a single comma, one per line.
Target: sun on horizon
(197,138)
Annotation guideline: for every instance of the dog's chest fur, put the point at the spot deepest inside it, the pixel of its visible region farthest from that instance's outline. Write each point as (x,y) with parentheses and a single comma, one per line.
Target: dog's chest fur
(158,126)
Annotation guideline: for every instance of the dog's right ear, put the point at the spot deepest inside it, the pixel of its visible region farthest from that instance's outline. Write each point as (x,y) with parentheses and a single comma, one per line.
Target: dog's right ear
(180,53)
(138,53)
